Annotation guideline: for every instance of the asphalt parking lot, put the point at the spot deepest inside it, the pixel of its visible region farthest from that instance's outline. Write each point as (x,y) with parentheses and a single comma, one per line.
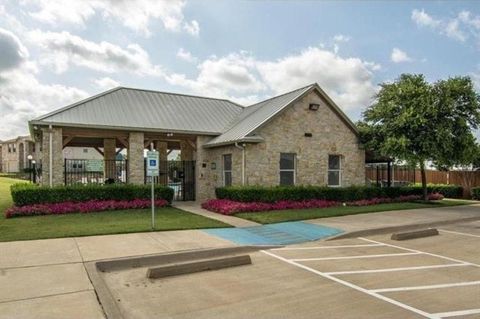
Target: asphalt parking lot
(374,277)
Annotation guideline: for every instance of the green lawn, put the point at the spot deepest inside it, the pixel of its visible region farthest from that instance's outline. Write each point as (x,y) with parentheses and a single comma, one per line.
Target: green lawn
(279,216)
(113,222)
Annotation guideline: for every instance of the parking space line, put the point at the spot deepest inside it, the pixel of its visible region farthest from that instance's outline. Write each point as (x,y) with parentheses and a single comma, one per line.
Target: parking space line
(458,233)
(350,285)
(328,247)
(394,269)
(457,313)
(356,257)
(455,284)
(422,252)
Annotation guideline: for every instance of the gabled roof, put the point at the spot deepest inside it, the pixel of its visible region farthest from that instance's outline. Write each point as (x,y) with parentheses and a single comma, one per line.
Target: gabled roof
(127,108)
(255,116)
(145,110)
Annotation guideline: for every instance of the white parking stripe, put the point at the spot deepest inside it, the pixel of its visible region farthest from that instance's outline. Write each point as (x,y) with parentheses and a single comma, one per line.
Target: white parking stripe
(458,233)
(455,284)
(355,257)
(394,269)
(457,313)
(328,247)
(348,284)
(422,252)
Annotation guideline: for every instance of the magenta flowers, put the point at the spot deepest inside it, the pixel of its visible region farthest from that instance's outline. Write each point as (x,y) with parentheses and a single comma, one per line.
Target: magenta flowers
(229,207)
(80,207)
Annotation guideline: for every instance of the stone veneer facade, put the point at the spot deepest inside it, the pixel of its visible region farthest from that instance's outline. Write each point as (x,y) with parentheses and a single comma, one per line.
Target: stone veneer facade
(285,133)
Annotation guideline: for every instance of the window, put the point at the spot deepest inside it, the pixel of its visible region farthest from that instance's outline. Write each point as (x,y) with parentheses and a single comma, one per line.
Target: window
(227,169)
(14,148)
(334,170)
(9,148)
(287,168)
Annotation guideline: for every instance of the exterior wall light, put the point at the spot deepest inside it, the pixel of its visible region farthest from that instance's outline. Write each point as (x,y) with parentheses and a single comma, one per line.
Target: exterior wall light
(169,134)
(314,107)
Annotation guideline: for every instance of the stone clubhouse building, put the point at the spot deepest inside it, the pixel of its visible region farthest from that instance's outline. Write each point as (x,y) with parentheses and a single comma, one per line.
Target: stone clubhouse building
(297,138)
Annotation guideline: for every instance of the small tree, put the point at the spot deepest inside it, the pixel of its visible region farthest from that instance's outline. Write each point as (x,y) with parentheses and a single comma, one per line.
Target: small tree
(416,121)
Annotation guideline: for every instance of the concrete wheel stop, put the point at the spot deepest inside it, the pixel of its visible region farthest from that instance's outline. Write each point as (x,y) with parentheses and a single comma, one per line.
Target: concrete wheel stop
(415,234)
(164,265)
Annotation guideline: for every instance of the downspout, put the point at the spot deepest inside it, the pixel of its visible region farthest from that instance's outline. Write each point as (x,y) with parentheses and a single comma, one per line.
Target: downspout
(243,160)
(50,156)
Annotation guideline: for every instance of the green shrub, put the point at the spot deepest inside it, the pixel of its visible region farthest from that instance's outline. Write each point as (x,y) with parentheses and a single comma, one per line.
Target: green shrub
(344,194)
(476,193)
(27,194)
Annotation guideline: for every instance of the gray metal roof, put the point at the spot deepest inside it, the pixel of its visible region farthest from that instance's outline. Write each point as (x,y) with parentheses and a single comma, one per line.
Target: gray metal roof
(127,108)
(254,116)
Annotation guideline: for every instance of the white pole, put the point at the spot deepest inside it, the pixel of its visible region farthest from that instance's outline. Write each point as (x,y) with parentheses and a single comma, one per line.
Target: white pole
(153,196)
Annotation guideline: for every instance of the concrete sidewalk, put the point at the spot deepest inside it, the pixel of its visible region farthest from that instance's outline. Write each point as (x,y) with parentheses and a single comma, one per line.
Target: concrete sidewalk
(399,218)
(47,278)
(195,208)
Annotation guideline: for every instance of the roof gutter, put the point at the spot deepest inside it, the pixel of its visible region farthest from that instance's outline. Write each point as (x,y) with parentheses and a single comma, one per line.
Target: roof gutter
(247,139)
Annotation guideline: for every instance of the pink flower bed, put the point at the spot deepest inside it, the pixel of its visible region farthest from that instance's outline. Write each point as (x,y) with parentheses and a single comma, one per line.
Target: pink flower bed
(229,207)
(81,207)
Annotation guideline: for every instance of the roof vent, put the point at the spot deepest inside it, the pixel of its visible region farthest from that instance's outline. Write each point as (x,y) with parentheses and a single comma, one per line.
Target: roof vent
(313,107)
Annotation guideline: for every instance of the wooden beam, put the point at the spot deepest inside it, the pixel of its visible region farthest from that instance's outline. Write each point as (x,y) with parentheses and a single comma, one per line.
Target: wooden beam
(147,143)
(96,133)
(169,151)
(123,141)
(99,150)
(67,139)
(119,150)
(192,145)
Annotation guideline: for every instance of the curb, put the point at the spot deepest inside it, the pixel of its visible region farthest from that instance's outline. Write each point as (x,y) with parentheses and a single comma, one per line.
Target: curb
(390,229)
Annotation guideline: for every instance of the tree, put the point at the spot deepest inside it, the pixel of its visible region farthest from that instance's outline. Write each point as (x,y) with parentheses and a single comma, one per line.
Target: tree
(415,121)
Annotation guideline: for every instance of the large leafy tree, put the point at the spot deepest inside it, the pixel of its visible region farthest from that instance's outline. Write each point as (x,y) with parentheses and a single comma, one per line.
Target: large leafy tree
(417,121)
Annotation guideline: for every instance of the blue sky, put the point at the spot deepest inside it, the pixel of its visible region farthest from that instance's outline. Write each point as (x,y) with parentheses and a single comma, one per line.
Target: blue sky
(56,53)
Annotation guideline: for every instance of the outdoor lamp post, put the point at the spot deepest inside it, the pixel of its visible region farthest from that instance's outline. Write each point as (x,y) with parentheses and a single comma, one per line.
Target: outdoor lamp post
(30,157)
(34,170)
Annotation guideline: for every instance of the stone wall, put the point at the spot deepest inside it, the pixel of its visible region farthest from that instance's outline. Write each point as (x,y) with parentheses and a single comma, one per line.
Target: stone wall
(136,165)
(57,160)
(285,133)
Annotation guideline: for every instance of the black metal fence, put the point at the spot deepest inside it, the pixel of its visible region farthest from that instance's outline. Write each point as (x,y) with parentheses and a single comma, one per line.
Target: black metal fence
(178,175)
(84,171)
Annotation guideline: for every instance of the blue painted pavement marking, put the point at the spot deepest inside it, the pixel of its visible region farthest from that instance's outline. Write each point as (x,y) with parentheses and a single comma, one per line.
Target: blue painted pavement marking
(275,234)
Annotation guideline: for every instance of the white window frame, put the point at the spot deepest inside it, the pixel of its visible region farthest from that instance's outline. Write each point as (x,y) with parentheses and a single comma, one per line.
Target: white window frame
(339,170)
(227,171)
(294,170)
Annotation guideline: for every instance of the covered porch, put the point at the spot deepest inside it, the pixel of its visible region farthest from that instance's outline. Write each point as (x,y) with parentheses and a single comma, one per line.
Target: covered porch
(120,158)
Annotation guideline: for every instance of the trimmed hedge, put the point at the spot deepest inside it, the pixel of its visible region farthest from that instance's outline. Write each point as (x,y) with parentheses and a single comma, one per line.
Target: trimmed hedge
(29,194)
(342,194)
(476,193)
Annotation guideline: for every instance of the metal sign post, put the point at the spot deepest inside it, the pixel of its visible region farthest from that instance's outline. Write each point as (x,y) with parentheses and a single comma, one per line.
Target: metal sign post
(152,171)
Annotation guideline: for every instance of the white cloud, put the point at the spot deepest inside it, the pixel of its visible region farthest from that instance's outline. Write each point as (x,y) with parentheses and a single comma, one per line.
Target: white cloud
(348,81)
(341,38)
(399,56)
(460,28)
(62,49)
(222,76)
(420,17)
(13,52)
(133,14)
(193,27)
(106,83)
(186,56)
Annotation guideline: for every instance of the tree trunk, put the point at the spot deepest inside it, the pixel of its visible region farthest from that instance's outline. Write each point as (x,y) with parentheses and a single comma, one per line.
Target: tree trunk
(424,180)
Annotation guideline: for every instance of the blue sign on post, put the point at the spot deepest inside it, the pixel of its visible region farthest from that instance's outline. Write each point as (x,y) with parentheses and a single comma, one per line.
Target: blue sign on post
(152,163)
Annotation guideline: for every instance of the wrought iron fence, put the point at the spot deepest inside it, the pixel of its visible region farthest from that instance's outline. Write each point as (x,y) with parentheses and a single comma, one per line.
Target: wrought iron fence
(178,175)
(82,171)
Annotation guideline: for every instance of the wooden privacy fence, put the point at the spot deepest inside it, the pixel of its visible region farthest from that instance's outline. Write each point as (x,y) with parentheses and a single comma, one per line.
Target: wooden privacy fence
(400,175)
